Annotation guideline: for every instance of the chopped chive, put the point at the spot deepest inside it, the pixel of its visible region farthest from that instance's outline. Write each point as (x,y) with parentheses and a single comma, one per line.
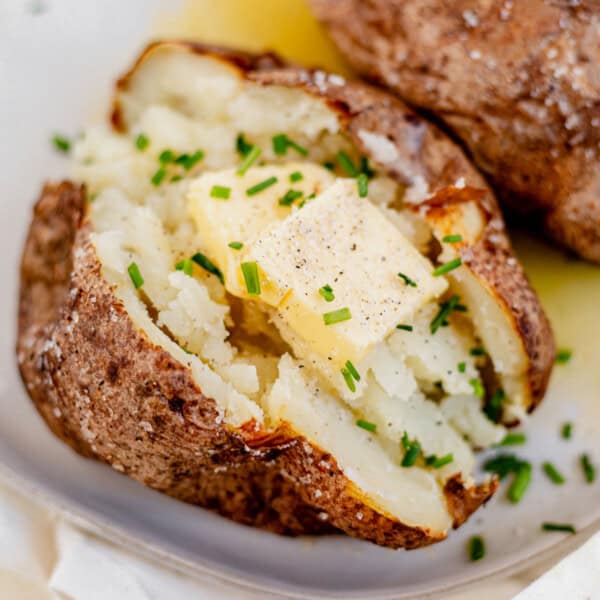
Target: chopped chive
(520,483)
(479,351)
(366,425)
(404,327)
(513,439)
(493,407)
(136,276)
(589,469)
(251,279)
(158,177)
(563,356)
(476,548)
(553,473)
(329,166)
(142,142)
(478,388)
(281,143)
(462,367)
(460,308)
(452,239)
(407,280)
(352,370)
(447,267)
(337,316)
(362,182)
(502,465)
(186,265)
(299,149)
(327,293)
(236,245)
(61,143)
(558,527)
(437,462)
(366,168)
(259,187)
(445,309)
(346,163)
(219,191)
(290,197)
(296,176)
(567,431)
(208,265)
(249,159)
(242,146)
(176,178)
(188,161)
(349,380)
(413,450)
(166,156)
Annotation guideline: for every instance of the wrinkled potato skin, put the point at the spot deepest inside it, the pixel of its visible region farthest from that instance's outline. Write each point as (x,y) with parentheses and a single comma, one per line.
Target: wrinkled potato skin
(518,83)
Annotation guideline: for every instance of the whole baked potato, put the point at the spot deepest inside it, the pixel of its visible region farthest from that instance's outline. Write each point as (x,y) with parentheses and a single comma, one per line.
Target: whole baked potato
(249,298)
(517,82)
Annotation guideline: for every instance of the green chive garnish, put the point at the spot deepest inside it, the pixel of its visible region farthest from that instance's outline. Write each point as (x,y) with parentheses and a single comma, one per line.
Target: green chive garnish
(337,316)
(563,356)
(236,245)
(520,483)
(513,439)
(352,370)
(289,197)
(281,143)
(259,187)
(553,474)
(186,265)
(362,182)
(327,293)
(158,177)
(478,388)
(462,367)
(407,280)
(142,142)
(493,407)
(188,161)
(366,425)
(502,465)
(447,267)
(452,239)
(329,166)
(476,548)
(296,176)
(477,351)
(347,165)
(176,178)
(219,191)
(589,470)
(558,527)
(404,327)
(208,265)
(136,276)
(249,159)
(413,450)
(242,146)
(250,273)
(365,167)
(437,462)
(61,143)
(349,380)
(445,309)
(166,156)
(567,431)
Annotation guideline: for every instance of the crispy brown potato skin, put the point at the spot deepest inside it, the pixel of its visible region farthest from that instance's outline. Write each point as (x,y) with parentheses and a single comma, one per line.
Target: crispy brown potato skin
(104,388)
(520,87)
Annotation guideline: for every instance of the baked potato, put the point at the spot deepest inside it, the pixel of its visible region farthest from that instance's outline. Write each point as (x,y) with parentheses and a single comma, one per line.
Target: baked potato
(517,82)
(249,298)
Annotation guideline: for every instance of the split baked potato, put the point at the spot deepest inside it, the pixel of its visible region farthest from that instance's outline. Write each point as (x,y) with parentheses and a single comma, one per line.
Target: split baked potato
(281,296)
(517,82)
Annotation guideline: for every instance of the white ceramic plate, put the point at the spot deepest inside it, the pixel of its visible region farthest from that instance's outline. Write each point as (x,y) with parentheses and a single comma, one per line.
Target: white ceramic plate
(56,68)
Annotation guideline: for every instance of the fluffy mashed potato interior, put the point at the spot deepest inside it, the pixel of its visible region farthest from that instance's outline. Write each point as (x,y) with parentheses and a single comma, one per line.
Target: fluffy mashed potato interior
(167,199)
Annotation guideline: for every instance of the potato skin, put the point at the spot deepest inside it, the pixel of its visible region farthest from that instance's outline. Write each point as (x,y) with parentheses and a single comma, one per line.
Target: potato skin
(519,84)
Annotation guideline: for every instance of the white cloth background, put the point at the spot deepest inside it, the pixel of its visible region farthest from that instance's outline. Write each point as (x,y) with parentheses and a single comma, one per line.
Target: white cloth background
(43,556)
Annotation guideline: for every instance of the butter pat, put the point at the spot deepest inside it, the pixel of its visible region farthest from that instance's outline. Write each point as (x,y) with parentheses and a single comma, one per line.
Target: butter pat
(240,217)
(344,241)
